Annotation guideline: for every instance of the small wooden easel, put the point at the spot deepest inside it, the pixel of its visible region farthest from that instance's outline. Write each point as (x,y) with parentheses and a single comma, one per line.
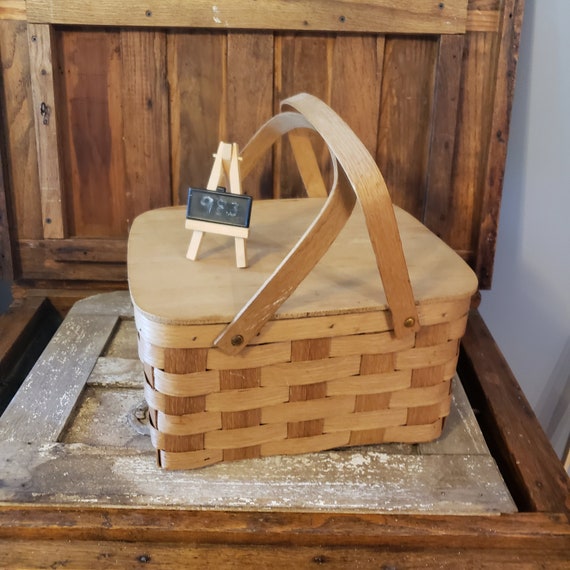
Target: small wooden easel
(225,172)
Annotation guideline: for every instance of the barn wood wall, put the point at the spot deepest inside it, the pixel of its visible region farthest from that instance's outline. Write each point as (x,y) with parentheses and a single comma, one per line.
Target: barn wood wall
(137,113)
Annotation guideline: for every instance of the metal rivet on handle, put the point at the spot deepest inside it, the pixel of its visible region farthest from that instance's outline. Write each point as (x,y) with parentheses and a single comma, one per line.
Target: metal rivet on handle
(409,322)
(237,340)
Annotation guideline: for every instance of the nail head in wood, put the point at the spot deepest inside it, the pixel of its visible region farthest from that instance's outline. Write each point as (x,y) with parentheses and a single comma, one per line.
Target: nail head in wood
(237,340)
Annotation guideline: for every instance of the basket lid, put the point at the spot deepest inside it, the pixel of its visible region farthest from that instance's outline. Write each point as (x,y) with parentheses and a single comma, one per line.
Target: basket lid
(169,288)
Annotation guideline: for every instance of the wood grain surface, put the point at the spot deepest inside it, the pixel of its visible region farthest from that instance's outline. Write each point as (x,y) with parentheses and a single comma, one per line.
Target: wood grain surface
(35,535)
(87,432)
(418,16)
(140,110)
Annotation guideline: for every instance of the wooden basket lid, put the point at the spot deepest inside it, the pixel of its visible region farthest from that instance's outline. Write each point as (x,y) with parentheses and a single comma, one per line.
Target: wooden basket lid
(168,288)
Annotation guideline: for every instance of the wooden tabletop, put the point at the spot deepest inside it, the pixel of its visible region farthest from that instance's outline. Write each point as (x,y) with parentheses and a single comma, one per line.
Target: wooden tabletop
(80,484)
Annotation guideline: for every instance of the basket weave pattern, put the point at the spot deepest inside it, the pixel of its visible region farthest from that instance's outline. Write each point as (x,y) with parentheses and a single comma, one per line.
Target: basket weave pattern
(301,395)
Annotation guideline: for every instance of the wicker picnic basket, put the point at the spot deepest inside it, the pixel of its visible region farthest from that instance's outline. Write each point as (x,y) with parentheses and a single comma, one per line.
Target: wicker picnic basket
(342,334)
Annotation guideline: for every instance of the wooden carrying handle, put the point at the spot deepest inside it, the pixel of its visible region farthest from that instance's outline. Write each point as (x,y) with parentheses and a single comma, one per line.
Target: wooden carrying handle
(359,177)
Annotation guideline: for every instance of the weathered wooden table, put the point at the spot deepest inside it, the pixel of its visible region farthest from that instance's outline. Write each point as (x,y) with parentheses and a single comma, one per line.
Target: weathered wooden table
(80,486)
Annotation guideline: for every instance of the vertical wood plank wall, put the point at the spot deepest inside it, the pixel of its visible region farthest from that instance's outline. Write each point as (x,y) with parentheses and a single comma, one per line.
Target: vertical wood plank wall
(140,111)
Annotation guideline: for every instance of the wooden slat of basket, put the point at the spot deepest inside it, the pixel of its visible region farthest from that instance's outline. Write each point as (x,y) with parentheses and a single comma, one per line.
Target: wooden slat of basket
(365,420)
(173,406)
(232,380)
(150,354)
(297,373)
(202,336)
(449,368)
(372,402)
(176,443)
(413,397)
(297,445)
(429,376)
(176,336)
(245,437)
(428,414)
(189,424)
(375,364)
(185,360)
(369,344)
(187,385)
(250,357)
(246,399)
(413,434)
(328,326)
(370,383)
(428,356)
(306,351)
(320,408)
(190,459)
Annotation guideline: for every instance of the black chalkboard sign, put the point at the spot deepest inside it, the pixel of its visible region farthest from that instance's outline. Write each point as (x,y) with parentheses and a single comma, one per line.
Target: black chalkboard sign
(219,206)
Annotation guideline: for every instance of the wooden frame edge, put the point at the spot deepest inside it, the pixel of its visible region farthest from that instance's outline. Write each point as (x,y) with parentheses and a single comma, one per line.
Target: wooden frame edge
(534,474)
(427,17)
(509,33)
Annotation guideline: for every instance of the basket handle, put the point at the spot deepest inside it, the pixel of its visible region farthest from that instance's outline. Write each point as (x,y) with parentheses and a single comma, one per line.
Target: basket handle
(359,177)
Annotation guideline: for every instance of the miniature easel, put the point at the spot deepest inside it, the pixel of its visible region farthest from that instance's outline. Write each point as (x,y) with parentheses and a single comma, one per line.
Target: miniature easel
(225,172)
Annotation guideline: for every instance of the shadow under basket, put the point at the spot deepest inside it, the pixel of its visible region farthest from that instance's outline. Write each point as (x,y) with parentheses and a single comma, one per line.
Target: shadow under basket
(344,334)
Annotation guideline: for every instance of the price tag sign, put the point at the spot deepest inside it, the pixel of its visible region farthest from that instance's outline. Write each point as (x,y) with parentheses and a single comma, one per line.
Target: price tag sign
(219,206)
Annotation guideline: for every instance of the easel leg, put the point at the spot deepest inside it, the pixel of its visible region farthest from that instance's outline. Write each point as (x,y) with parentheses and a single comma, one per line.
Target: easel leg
(194,245)
(241,258)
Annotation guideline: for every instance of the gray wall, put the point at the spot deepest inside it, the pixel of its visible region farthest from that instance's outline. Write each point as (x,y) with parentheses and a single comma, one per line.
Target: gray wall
(528,307)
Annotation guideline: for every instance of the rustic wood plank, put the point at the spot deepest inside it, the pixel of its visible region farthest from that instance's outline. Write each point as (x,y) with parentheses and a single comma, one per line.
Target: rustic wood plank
(250,99)
(78,249)
(506,67)
(472,138)
(532,469)
(44,259)
(42,62)
(21,159)
(6,262)
(437,209)
(89,555)
(63,295)
(145,132)
(117,372)
(357,63)
(360,479)
(93,133)
(100,428)
(417,16)
(13,10)
(406,107)
(483,16)
(42,406)
(105,418)
(123,342)
(303,65)
(524,531)
(305,351)
(196,75)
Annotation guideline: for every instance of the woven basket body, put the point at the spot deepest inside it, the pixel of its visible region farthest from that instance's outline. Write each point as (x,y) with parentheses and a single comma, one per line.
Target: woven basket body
(326,358)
